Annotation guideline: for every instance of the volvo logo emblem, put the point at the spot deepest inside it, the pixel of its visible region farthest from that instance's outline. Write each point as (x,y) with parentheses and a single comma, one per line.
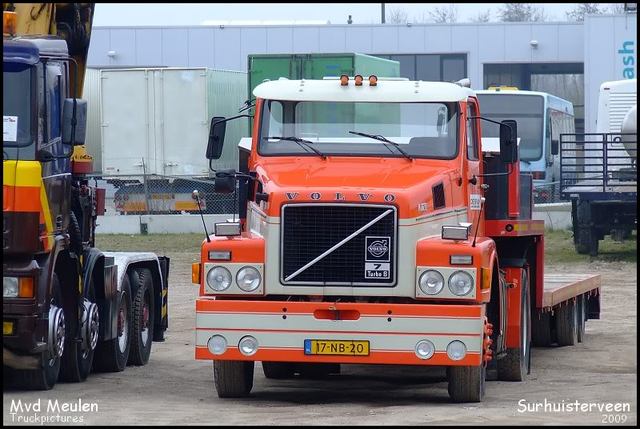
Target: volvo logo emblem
(378,248)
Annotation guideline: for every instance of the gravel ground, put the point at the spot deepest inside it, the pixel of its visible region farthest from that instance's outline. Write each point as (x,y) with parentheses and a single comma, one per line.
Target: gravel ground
(174,388)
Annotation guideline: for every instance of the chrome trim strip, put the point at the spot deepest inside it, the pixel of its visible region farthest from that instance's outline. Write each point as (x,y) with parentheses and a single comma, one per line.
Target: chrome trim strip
(391,208)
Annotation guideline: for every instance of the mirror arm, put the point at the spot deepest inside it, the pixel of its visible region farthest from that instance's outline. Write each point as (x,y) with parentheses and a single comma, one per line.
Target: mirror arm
(487,119)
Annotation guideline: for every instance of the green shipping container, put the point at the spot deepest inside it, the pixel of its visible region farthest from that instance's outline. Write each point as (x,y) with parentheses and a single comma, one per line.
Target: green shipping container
(317,66)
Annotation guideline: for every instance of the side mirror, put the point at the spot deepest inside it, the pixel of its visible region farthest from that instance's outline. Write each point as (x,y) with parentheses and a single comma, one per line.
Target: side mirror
(225,182)
(555,147)
(216,137)
(508,141)
(74,121)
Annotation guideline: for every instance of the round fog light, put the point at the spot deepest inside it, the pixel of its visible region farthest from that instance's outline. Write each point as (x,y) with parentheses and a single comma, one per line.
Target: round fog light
(248,345)
(217,344)
(425,349)
(456,350)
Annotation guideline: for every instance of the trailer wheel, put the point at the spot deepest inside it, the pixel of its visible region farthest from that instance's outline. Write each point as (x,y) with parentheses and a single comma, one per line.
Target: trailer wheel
(112,355)
(317,371)
(143,316)
(77,359)
(541,329)
(582,317)
(514,366)
(567,324)
(278,370)
(466,383)
(44,378)
(233,379)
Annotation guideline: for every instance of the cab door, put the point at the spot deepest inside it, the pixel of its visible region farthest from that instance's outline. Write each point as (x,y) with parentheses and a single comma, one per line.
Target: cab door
(472,159)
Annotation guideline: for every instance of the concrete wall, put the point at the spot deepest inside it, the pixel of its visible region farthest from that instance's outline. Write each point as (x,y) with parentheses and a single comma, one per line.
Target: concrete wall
(556,216)
(157,224)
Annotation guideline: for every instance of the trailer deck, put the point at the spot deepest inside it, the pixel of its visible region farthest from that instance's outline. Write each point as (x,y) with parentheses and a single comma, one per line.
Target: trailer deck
(559,288)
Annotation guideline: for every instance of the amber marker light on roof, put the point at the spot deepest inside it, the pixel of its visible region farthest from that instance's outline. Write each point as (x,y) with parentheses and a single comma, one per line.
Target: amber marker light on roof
(373,80)
(344,80)
(358,80)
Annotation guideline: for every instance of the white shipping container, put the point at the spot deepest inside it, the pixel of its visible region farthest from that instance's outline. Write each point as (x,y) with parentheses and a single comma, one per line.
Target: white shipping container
(156,120)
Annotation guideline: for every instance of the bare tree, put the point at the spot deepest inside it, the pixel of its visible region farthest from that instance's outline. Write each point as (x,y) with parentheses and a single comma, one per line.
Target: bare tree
(397,16)
(442,15)
(581,9)
(482,16)
(617,8)
(521,12)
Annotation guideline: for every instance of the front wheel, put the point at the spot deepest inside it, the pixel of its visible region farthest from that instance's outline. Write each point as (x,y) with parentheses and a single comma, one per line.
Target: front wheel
(515,365)
(233,379)
(45,377)
(143,316)
(467,383)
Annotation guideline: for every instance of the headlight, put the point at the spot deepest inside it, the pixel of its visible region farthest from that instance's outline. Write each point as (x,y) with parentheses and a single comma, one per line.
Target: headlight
(10,287)
(248,279)
(460,283)
(219,278)
(431,282)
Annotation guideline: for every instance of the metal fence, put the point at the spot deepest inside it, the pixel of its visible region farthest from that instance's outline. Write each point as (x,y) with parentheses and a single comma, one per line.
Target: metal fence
(152,194)
(547,193)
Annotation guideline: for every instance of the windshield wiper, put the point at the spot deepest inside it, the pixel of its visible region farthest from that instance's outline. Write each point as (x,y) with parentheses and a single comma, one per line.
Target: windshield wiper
(384,140)
(301,142)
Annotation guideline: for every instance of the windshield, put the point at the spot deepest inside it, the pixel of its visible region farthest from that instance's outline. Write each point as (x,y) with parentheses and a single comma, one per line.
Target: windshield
(526,110)
(16,105)
(422,130)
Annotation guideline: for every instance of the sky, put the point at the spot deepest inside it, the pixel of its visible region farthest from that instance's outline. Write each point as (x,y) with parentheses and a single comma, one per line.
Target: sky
(164,14)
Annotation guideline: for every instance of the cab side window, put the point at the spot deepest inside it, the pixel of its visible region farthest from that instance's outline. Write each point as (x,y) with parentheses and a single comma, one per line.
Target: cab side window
(472,144)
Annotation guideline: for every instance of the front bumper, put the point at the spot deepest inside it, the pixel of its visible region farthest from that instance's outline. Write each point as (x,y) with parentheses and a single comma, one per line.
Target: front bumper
(393,330)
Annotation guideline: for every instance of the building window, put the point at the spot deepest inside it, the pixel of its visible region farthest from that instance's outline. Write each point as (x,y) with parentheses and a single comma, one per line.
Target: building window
(431,67)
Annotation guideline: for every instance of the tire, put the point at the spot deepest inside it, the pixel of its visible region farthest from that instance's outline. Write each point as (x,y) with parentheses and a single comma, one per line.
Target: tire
(76,362)
(278,370)
(541,329)
(585,237)
(514,366)
(233,379)
(317,371)
(466,383)
(143,316)
(567,324)
(46,377)
(112,355)
(582,317)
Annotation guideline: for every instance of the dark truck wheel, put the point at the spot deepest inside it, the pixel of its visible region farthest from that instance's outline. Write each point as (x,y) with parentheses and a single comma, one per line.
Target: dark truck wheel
(278,370)
(143,316)
(585,236)
(45,378)
(77,359)
(541,329)
(567,324)
(112,355)
(233,379)
(466,383)
(514,366)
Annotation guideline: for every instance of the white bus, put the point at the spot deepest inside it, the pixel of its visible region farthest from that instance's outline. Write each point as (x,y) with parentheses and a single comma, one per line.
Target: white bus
(541,118)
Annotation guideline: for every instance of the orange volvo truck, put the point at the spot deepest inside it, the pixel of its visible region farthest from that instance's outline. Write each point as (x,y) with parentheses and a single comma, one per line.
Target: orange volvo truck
(375,228)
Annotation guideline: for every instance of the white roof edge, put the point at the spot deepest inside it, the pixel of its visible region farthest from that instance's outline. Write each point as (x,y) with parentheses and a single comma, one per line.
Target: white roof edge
(384,91)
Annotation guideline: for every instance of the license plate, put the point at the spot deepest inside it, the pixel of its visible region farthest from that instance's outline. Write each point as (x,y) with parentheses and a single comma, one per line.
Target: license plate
(336,347)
